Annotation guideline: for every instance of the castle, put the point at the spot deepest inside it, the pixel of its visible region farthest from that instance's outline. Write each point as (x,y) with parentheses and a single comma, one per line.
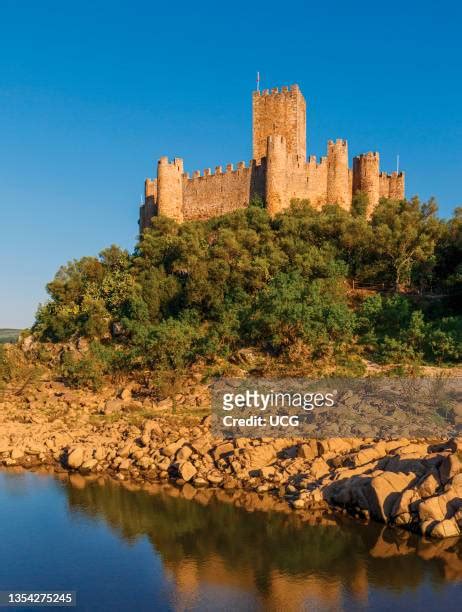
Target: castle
(278,173)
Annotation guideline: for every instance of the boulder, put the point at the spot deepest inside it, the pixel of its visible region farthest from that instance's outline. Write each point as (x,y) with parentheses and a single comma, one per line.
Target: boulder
(201,445)
(152,428)
(450,466)
(266,472)
(259,456)
(75,457)
(215,477)
(17,453)
(171,449)
(222,450)
(428,485)
(186,471)
(125,451)
(319,468)
(89,465)
(308,450)
(125,464)
(439,507)
(100,453)
(383,492)
(333,445)
(366,455)
(446,528)
(405,507)
(183,454)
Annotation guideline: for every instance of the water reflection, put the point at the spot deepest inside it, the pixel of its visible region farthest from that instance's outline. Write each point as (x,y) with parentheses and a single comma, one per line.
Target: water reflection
(274,559)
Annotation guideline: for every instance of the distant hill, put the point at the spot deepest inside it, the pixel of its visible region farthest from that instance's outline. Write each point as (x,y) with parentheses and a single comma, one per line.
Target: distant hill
(9,335)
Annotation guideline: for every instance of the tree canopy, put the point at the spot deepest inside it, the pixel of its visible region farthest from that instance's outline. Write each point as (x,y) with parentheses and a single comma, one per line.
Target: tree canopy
(211,288)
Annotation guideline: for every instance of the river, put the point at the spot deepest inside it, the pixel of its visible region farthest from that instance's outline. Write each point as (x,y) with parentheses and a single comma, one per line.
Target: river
(132,550)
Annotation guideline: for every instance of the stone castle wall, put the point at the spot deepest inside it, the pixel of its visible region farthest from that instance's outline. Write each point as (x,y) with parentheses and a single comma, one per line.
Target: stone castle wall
(211,195)
(279,172)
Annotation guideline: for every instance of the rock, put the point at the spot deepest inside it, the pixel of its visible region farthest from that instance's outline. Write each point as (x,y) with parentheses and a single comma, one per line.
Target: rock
(333,445)
(259,456)
(266,472)
(319,468)
(449,467)
(441,506)
(125,451)
(164,464)
(222,450)
(125,464)
(298,503)
(230,483)
(100,453)
(172,448)
(75,458)
(446,528)
(201,445)
(405,506)
(186,470)
(183,454)
(152,428)
(383,492)
(17,453)
(308,451)
(367,455)
(215,477)
(428,485)
(89,465)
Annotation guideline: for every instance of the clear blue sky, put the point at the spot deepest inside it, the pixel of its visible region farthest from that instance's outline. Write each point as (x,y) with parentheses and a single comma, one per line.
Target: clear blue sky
(92,93)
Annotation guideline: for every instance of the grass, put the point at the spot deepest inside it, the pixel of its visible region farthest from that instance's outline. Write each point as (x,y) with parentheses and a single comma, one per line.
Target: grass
(9,335)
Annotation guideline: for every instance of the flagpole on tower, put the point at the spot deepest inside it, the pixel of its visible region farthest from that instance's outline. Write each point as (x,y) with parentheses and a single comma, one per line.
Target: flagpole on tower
(258,81)
(397,164)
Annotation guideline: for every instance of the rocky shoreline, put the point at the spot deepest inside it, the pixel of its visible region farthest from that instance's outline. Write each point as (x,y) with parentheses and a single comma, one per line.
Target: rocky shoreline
(412,484)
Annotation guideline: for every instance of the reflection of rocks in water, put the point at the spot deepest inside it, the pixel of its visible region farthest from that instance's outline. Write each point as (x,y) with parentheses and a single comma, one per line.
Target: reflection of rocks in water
(280,557)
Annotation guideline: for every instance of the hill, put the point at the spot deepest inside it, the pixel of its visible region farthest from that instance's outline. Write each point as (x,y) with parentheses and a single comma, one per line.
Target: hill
(9,335)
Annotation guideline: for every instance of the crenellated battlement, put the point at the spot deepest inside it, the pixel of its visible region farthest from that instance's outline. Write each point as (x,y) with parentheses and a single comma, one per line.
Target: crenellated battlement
(278,173)
(284,90)
(229,169)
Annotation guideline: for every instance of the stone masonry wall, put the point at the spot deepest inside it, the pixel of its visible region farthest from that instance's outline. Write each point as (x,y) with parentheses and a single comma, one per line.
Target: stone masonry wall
(211,195)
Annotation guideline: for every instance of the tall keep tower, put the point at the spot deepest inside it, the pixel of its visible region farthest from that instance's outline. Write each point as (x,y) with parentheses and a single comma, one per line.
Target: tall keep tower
(280,113)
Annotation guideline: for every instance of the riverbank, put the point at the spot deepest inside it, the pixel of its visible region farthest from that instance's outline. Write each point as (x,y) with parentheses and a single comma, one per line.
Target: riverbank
(415,484)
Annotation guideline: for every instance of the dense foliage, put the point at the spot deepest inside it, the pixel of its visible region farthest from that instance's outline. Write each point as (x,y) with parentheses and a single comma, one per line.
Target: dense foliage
(208,289)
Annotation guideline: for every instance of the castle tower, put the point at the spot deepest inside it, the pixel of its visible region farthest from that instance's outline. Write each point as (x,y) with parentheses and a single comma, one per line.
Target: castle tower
(276,174)
(170,188)
(366,177)
(279,112)
(397,186)
(149,209)
(338,181)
